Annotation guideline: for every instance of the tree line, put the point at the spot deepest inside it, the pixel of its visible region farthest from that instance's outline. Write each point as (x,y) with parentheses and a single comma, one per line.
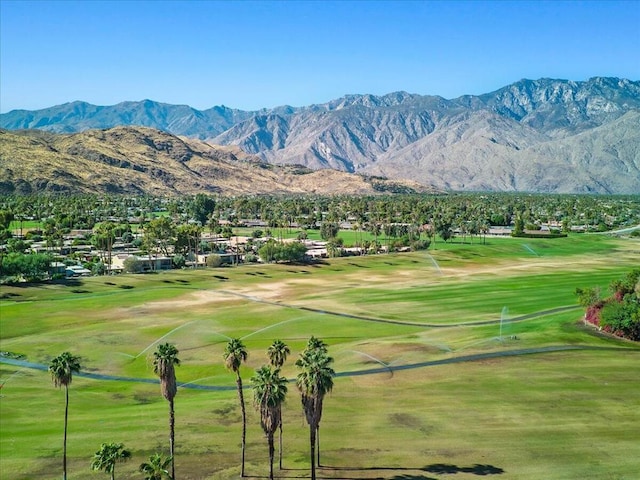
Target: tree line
(175,226)
(269,387)
(600,212)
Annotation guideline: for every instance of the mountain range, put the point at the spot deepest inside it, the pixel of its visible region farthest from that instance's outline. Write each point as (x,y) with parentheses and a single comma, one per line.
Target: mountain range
(543,135)
(142,160)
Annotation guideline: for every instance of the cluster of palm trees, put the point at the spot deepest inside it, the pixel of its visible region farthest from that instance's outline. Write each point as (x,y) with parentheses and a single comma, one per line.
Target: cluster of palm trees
(314,381)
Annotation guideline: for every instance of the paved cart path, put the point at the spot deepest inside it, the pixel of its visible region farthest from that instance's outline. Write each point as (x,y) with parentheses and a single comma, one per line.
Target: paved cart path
(372,371)
(496,321)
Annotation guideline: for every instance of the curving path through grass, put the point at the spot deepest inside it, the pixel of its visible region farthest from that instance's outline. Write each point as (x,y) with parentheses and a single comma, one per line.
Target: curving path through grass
(354,373)
(520,318)
(371,371)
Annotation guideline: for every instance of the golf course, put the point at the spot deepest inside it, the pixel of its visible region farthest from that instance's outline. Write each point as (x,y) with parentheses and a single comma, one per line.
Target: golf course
(463,361)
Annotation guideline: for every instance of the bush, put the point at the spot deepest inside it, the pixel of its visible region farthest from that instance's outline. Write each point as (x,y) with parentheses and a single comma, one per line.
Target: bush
(622,318)
(127,237)
(32,267)
(178,261)
(251,258)
(98,268)
(214,261)
(420,244)
(273,251)
(132,265)
(619,314)
(33,236)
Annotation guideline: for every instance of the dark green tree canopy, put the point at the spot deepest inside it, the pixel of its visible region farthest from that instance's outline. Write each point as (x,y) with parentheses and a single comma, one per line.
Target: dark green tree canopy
(63,367)
(235,354)
(107,457)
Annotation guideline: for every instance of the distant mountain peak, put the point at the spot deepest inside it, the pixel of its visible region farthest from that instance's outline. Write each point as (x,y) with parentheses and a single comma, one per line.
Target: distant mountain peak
(513,137)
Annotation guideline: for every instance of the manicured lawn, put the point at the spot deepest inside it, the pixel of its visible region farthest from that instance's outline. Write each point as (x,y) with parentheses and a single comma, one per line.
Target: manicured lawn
(571,413)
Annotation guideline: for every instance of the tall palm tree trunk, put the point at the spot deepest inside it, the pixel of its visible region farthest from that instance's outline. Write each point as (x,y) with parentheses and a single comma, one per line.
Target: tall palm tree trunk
(312,442)
(172,425)
(318,444)
(280,447)
(64,442)
(271,455)
(244,421)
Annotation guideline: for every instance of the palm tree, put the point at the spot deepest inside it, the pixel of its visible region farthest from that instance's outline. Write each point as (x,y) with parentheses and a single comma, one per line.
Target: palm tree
(269,391)
(157,467)
(234,355)
(164,362)
(106,458)
(314,381)
(62,369)
(278,353)
(315,344)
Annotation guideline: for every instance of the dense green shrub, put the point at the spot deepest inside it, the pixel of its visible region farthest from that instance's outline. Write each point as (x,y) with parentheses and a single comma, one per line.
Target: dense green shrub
(132,265)
(178,261)
(622,318)
(214,261)
(30,267)
(618,314)
(273,251)
(250,258)
(422,244)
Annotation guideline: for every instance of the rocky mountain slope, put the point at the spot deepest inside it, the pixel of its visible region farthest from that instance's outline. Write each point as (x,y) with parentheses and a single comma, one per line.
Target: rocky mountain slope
(140,160)
(544,135)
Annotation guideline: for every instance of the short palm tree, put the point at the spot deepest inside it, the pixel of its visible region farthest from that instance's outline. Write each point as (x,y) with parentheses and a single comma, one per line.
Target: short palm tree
(269,392)
(315,344)
(314,381)
(278,352)
(157,467)
(164,362)
(235,354)
(62,369)
(107,457)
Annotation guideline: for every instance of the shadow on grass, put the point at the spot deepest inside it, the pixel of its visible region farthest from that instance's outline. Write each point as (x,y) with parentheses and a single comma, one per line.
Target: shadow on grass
(366,471)
(435,468)
(69,282)
(407,476)
(477,469)
(10,295)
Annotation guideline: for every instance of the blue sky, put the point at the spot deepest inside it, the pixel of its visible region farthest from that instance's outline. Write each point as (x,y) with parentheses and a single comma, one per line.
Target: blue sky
(252,55)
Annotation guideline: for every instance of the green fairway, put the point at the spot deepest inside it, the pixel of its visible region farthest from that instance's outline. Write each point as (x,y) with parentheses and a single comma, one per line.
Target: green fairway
(465,360)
